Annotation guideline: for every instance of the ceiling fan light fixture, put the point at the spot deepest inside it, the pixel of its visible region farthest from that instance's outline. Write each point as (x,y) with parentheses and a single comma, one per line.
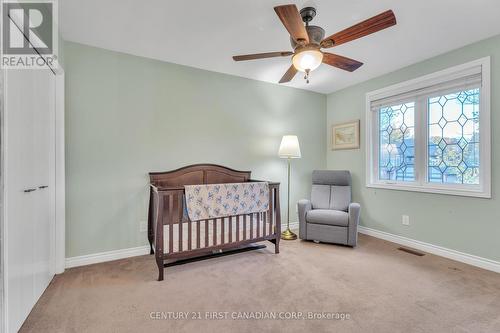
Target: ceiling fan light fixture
(307,60)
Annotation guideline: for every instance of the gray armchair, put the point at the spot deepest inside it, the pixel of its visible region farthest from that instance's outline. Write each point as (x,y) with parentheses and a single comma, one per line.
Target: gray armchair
(329,216)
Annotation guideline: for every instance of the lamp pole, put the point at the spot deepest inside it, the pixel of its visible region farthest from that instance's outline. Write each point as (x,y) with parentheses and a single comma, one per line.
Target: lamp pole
(288,234)
(288,201)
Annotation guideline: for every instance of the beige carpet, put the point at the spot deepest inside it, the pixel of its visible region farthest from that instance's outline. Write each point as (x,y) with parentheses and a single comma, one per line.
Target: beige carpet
(380,288)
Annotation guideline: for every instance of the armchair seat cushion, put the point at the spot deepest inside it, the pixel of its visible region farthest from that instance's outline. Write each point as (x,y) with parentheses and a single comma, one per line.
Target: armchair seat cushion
(328,217)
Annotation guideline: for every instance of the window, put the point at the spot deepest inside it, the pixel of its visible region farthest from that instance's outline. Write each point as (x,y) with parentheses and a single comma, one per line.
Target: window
(453,138)
(397,142)
(432,134)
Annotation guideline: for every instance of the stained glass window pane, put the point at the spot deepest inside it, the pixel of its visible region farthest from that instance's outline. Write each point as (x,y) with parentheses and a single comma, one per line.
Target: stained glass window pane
(453,142)
(397,142)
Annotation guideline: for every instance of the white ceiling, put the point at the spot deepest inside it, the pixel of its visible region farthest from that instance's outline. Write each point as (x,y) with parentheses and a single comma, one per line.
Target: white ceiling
(205,34)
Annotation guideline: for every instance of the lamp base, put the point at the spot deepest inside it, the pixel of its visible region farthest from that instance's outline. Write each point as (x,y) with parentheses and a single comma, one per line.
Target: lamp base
(288,235)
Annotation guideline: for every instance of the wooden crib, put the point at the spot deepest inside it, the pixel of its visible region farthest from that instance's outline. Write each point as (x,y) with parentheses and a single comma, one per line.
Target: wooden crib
(172,235)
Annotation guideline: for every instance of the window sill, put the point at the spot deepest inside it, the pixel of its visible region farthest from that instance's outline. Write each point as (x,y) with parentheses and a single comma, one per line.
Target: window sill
(486,194)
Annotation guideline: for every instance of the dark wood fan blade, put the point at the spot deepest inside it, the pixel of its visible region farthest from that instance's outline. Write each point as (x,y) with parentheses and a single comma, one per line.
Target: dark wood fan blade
(262,55)
(290,73)
(291,19)
(341,62)
(367,27)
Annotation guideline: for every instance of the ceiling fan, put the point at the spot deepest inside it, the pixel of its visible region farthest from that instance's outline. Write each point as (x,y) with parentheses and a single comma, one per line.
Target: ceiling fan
(307,41)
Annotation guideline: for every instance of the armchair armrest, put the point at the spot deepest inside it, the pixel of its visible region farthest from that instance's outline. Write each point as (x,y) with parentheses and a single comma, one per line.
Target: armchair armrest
(304,206)
(354,212)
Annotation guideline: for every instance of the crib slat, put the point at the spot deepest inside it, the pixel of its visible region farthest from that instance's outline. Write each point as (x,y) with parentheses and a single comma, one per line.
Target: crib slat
(264,223)
(251,225)
(189,234)
(214,225)
(244,227)
(170,223)
(180,206)
(258,224)
(264,226)
(206,233)
(198,235)
(268,221)
(261,224)
(237,228)
(230,229)
(222,230)
(179,229)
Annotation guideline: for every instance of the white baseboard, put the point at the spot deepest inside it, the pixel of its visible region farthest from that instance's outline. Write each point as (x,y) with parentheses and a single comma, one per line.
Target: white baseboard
(293,225)
(466,258)
(106,256)
(470,259)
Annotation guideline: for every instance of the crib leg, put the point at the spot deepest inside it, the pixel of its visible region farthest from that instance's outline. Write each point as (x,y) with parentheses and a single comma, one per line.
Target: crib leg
(150,221)
(159,263)
(276,243)
(151,236)
(151,251)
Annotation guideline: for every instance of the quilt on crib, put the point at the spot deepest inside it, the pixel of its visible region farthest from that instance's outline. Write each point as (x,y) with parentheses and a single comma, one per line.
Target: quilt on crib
(219,200)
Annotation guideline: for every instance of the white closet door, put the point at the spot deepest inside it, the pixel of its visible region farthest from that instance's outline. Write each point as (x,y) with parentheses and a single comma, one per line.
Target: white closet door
(20,195)
(29,205)
(44,155)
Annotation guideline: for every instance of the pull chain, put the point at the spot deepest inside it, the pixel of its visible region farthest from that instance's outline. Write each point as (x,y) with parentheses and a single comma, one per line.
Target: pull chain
(306,77)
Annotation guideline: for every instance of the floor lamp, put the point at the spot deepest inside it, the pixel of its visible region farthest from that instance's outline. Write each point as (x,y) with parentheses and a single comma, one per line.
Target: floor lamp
(289,148)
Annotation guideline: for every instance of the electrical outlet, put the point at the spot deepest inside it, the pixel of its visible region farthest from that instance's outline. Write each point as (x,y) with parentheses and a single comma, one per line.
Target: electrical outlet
(405,220)
(143,226)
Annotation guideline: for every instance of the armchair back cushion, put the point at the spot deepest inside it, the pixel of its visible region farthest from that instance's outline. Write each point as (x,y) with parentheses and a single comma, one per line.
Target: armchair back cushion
(340,197)
(331,189)
(320,196)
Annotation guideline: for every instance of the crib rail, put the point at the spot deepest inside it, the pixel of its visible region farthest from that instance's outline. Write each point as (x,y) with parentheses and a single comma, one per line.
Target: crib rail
(174,236)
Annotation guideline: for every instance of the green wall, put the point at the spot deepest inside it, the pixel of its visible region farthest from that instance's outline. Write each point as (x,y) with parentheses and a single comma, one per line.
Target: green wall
(127,116)
(469,225)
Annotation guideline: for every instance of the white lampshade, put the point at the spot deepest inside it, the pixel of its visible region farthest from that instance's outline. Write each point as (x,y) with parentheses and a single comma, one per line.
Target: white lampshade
(289,147)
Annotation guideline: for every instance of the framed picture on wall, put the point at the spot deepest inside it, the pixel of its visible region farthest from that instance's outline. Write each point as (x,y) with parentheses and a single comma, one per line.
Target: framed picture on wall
(345,135)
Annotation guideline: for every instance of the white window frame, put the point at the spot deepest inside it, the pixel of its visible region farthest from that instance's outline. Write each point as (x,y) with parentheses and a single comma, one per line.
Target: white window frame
(483,190)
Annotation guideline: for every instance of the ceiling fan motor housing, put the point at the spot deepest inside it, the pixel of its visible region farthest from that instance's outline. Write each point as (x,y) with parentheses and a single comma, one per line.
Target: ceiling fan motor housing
(315,33)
